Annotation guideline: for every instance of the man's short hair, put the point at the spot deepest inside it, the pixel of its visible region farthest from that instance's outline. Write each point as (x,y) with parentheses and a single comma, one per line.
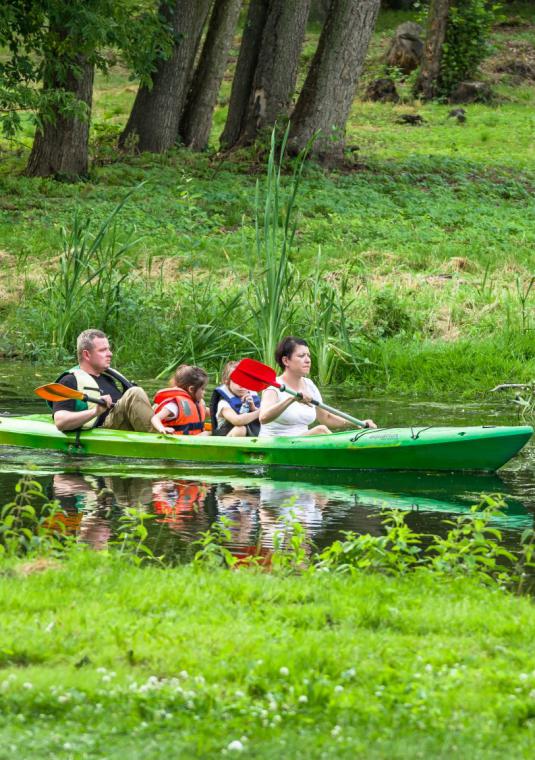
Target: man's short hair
(85,341)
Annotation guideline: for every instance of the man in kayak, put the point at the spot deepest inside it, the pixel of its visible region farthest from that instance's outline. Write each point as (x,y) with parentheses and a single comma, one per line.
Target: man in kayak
(127,408)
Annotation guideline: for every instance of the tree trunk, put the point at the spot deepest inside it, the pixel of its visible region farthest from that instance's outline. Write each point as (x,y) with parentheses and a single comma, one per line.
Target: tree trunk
(319,10)
(60,145)
(244,74)
(437,21)
(276,69)
(196,120)
(155,117)
(329,89)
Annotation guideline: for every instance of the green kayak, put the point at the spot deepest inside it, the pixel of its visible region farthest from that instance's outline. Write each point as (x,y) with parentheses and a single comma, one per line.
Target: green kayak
(483,449)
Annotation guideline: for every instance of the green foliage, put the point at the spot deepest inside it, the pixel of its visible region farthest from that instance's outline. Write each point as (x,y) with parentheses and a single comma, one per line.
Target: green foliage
(525,293)
(420,201)
(472,546)
(46,41)
(212,552)
(131,536)
(467,41)
(434,368)
(199,334)
(333,336)
(390,316)
(93,268)
(394,553)
(31,525)
(273,280)
(289,541)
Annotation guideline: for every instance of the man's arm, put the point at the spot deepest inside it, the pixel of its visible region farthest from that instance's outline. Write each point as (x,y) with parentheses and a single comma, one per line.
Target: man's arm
(65,420)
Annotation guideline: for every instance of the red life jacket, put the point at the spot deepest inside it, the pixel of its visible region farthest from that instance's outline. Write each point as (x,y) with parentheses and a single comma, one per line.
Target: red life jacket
(191,415)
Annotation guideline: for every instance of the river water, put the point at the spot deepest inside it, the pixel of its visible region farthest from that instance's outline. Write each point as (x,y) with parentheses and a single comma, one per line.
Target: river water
(186,500)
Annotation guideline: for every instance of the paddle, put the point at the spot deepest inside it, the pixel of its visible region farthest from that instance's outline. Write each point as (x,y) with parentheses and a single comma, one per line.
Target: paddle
(59,392)
(256,376)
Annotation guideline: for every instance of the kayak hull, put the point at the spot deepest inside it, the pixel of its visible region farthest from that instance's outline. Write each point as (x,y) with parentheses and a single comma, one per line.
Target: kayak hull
(483,449)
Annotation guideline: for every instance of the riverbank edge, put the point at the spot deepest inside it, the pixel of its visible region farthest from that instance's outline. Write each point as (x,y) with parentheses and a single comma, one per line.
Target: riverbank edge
(99,658)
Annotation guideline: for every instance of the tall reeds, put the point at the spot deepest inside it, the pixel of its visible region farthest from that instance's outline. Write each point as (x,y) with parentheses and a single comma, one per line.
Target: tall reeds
(273,278)
(91,271)
(330,330)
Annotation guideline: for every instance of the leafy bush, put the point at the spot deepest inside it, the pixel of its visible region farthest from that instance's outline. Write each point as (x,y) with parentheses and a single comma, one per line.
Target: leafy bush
(390,316)
(467,41)
(31,524)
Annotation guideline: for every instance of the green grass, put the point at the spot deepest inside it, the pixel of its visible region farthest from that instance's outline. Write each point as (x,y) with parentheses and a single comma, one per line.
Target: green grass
(102,659)
(441,217)
(431,368)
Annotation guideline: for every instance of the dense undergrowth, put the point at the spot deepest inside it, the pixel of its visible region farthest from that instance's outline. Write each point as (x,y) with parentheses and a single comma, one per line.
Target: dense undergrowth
(414,264)
(357,652)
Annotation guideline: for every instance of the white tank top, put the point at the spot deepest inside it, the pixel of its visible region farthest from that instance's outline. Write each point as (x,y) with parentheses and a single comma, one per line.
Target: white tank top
(296,419)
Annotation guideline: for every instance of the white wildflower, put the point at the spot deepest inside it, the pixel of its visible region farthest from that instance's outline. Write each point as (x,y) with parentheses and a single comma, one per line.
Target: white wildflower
(236,746)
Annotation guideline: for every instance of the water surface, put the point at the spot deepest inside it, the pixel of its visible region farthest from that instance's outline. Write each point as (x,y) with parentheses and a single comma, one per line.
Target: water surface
(186,500)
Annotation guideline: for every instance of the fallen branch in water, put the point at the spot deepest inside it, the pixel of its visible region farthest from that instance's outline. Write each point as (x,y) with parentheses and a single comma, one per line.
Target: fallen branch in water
(506,386)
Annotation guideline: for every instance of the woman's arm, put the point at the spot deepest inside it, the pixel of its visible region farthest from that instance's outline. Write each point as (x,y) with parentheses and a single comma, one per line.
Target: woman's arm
(270,408)
(338,423)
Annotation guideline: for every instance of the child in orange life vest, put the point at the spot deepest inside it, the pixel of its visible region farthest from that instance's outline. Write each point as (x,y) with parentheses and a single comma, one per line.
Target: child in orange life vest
(181,408)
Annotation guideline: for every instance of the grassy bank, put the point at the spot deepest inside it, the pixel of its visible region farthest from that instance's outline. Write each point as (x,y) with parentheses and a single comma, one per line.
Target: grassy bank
(394,644)
(426,237)
(101,659)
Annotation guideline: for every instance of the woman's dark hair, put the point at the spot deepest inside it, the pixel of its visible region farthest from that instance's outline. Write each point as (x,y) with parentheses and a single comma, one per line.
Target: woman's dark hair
(187,376)
(286,348)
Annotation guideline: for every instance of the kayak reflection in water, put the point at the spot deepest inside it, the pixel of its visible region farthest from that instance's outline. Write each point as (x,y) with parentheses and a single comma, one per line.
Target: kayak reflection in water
(286,415)
(180,504)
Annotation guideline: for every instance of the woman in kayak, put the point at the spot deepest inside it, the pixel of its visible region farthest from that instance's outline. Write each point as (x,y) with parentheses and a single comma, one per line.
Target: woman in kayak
(181,407)
(233,409)
(282,414)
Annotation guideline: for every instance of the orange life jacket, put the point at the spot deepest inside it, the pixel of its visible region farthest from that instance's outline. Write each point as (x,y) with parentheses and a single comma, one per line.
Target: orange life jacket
(191,415)
(182,497)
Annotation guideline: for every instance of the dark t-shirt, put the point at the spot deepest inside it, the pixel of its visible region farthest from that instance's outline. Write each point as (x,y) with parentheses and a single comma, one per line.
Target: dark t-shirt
(107,387)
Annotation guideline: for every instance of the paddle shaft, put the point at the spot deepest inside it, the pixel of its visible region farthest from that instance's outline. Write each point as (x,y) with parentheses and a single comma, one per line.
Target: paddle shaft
(94,400)
(321,405)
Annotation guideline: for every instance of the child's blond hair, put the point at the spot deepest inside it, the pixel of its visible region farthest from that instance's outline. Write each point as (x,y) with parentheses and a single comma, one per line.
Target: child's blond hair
(228,369)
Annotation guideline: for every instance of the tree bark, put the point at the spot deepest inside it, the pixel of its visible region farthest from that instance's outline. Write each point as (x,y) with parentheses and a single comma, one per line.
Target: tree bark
(327,95)
(276,69)
(196,121)
(244,74)
(155,116)
(61,143)
(437,21)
